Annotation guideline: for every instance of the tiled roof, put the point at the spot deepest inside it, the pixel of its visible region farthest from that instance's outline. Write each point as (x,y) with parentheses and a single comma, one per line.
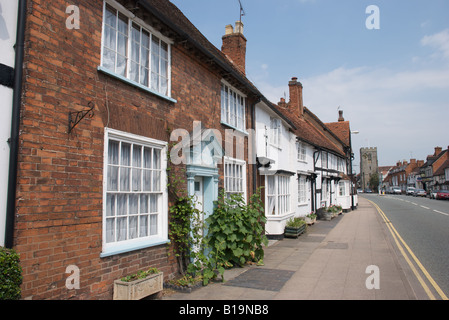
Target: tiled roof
(341,130)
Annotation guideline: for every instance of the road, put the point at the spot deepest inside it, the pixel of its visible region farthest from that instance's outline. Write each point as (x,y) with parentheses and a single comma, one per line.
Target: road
(424,226)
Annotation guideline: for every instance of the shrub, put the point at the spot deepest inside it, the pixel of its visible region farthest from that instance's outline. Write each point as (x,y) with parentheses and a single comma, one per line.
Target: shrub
(295,222)
(10,275)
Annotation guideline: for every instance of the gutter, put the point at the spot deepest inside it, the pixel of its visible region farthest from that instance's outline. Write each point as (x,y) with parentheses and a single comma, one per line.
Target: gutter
(15,124)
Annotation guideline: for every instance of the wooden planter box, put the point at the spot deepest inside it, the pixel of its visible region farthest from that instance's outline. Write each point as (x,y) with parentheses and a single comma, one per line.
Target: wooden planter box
(140,288)
(310,221)
(290,232)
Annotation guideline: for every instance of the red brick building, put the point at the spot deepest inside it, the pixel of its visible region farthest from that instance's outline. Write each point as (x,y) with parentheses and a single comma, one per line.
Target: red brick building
(93,193)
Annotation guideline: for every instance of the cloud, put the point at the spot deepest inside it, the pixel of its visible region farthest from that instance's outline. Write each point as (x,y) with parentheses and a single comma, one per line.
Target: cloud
(439,41)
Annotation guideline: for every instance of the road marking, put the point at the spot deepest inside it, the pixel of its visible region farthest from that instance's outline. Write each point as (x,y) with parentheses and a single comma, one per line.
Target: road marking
(398,238)
(425,207)
(446,214)
(414,203)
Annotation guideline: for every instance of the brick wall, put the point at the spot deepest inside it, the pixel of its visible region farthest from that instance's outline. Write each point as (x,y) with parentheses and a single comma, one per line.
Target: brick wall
(60,178)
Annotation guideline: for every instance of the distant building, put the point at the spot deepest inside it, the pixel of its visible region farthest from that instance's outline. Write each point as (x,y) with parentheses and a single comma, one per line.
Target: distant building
(368,165)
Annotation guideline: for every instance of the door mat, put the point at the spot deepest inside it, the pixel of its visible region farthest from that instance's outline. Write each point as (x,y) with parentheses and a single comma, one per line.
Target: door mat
(261,279)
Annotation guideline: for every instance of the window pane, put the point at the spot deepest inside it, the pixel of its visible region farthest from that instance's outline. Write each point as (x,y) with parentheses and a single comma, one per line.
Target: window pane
(156,180)
(124,178)
(153,224)
(109,59)
(111,16)
(164,50)
(122,24)
(110,230)
(133,204)
(147,158)
(145,39)
(112,178)
(122,204)
(144,203)
(156,159)
(109,37)
(110,205)
(137,178)
(134,72)
(143,232)
(121,65)
(147,178)
(133,227)
(122,44)
(122,228)
(154,203)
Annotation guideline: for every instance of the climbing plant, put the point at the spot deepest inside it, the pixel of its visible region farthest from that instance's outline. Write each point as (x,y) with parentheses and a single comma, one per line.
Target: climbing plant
(235,233)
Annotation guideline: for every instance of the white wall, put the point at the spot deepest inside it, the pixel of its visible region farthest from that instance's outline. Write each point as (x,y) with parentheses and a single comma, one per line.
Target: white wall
(8,26)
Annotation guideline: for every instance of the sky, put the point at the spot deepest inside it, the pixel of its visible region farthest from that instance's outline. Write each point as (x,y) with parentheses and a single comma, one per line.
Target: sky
(391,81)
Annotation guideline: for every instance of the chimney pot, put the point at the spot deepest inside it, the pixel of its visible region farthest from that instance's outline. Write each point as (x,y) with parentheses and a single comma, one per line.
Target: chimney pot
(239,27)
(229,29)
(340,115)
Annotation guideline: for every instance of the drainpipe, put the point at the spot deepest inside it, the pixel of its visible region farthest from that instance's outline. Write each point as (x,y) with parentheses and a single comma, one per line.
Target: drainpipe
(253,127)
(15,123)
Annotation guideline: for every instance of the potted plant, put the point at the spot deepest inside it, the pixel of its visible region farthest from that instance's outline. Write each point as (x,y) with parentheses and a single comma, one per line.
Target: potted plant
(294,228)
(310,218)
(139,285)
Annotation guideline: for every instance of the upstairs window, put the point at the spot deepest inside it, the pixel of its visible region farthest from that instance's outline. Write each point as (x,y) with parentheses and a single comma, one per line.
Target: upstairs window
(301,151)
(275,132)
(232,108)
(132,51)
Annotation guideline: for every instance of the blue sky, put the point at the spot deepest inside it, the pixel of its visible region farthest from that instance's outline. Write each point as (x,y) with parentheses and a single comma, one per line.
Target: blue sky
(392,83)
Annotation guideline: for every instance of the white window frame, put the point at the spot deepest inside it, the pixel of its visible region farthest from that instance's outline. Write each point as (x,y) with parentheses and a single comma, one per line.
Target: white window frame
(161,236)
(275,132)
(280,195)
(132,19)
(301,151)
(233,107)
(234,174)
(302,190)
(341,189)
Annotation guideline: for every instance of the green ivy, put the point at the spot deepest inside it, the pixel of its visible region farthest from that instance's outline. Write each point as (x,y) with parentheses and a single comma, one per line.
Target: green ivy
(10,275)
(235,234)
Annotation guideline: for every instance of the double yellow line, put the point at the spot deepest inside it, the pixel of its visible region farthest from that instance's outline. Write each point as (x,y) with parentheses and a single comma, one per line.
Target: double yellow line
(398,239)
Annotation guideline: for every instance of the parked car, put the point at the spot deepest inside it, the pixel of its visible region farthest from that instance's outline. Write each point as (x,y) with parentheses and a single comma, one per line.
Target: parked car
(409,191)
(420,193)
(396,190)
(442,194)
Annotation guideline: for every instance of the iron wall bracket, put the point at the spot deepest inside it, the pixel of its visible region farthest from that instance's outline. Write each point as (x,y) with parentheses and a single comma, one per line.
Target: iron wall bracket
(77,116)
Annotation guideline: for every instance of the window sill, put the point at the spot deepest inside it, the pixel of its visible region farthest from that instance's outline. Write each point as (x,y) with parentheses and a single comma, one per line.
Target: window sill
(236,129)
(130,247)
(134,84)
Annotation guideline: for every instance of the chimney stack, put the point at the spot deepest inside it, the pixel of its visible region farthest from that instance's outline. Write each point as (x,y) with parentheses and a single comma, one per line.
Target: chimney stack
(234,45)
(295,104)
(340,116)
(437,151)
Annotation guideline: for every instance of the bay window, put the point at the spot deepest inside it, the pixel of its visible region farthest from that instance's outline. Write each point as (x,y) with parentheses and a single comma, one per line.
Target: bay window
(278,194)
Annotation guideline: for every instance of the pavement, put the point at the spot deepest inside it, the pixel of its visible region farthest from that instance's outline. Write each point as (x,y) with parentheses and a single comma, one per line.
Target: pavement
(351,257)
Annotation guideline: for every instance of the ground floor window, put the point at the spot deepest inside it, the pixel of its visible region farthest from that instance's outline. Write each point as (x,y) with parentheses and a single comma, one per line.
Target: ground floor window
(235,176)
(302,190)
(135,196)
(278,194)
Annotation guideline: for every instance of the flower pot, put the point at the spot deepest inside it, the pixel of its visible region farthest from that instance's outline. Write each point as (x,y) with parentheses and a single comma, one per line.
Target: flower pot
(291,232)
(138,289)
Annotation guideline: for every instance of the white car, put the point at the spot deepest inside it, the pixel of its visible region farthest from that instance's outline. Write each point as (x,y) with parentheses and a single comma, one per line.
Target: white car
(410,191)
(397,190)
